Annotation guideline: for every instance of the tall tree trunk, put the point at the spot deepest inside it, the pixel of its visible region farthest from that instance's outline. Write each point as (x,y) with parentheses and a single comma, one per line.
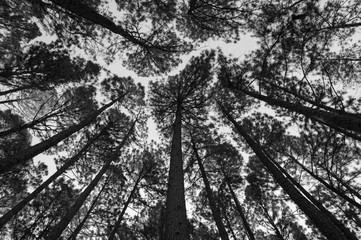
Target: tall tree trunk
(249,231)
(59,228)
(126,204)
(17,208)
(176,224)
(317,203)
(345,121)
(229,225)
(327,185)
(212,203)
(81,224)
(83,11)
(322,222)
(7,163)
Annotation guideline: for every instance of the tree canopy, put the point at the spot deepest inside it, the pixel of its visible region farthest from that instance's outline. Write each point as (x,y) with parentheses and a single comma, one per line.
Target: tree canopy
(146,120)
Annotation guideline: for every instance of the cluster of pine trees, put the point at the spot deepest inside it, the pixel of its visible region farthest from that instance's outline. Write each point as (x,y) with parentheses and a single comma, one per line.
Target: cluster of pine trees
(223,169)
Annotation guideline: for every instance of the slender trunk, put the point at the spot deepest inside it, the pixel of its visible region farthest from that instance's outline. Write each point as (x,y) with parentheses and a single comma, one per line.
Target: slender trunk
(322,222)
(26,125)
(17,208)
(212,203)
(327,185)
(270,220)
(353,191)
(59,228)
(14,90)
(229,225)
(342,120)
(317,203)
(81,224)
(7,163)
(249,231)
(120,218)
(83,11)
(176,218)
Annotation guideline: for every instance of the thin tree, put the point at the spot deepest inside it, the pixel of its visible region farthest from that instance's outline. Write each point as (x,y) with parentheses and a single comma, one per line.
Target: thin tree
(212,202)
(59,228)
(7,163)
(322,222)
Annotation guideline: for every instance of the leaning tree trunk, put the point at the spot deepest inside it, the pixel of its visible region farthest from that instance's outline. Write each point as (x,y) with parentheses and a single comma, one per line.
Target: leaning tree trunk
(176,217)
(81,224)
(121,215)
(7,163)
(59,228)
(81,10)
(249,231)
(322,222)
(17,208)
(335,120)
(317,203)
(326,184)
(212,203)
(273,224)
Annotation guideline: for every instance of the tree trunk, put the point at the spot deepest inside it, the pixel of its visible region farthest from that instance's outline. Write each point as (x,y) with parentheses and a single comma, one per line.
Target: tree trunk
(212,203)
(270,220)
(249,232)
(59,228)
(26,125)
(81,224)
(83,11)
(317,203)
(346,121)
(130,198)
(327,185)
(7,163)
(322,222)
(17,208)
(176,224)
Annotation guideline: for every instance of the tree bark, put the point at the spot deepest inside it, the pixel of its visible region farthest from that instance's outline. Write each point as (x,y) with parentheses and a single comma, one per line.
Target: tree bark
(321,221)
(130,198)
(176,224)
(81,224)
(249,231)
(7,163)
(345,121)
(17,208)
(212,203)
(59,228)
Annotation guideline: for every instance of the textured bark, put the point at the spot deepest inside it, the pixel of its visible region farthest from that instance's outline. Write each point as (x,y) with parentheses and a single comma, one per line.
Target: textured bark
(59,228)
(17,208)
(320,220)
(176,217)
(345,121)
(81,224)
(121,215)
(7,163)
(250,234)
(212,203)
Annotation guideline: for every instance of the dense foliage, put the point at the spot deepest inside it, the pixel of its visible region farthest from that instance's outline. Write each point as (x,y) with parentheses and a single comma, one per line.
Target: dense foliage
(258,146)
